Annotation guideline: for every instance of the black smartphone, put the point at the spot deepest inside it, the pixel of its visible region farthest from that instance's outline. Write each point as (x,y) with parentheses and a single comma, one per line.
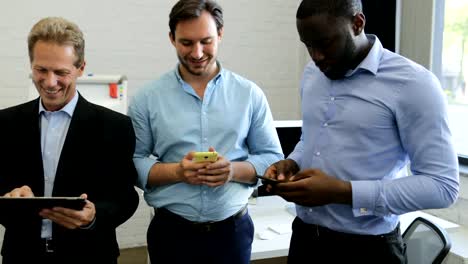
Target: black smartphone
(266,180)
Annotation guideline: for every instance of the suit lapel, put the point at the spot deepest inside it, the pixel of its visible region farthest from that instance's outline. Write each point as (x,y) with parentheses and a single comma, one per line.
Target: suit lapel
(80,125)
(34,135)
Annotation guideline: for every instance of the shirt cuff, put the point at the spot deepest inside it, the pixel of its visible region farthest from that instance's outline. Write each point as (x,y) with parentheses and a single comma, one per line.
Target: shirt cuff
(365,195)
(257,163)
(143,167)
(90,225)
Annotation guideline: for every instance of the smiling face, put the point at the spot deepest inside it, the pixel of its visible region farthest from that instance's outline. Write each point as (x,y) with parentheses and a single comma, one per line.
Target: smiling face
(330,42)
(54,73)
(196,42)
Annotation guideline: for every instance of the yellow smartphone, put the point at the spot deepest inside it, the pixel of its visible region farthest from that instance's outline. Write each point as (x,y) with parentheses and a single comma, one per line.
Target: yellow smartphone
(208,156)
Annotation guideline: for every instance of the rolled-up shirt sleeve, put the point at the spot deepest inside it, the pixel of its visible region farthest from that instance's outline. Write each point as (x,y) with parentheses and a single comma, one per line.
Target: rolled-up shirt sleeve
(142,157)
(264,145)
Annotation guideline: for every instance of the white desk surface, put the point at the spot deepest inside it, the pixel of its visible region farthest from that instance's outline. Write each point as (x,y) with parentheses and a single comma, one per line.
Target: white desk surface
(287,123)
(271,210)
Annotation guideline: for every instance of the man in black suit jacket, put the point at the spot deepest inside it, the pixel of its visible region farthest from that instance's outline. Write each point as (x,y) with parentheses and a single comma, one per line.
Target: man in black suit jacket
(62,145)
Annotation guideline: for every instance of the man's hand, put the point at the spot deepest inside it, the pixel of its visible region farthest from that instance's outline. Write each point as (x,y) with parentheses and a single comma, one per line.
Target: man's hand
(216,173)
(188,170)
(281,171)
(70,218)
(23,191)
(312,187)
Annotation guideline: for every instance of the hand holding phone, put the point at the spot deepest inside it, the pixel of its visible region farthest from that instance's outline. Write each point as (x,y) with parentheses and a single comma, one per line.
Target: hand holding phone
(208,156)
(266,180)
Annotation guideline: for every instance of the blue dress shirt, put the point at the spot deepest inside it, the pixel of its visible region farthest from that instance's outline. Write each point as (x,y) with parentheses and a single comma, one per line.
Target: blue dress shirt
(170,120)
(365,129)
(54,128)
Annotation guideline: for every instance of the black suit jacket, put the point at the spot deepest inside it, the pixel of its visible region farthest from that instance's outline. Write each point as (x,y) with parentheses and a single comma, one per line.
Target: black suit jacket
(96,159)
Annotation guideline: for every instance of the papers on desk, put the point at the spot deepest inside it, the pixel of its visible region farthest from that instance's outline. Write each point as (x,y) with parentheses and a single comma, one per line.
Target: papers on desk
(266,235)
(274,230)
(280,228)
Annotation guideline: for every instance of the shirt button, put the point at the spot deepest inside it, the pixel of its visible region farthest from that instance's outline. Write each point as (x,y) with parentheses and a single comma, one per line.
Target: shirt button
(332,98)
(325,124)
(310,210)
(317,153)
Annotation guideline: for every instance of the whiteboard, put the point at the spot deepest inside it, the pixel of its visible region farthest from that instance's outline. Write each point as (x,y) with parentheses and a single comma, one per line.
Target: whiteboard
(106,90)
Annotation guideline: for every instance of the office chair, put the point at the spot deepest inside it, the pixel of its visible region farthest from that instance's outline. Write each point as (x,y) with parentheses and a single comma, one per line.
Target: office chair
(426,242)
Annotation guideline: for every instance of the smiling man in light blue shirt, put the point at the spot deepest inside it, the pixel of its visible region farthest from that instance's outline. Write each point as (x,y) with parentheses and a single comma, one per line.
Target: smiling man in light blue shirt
(199,106)
(367,113)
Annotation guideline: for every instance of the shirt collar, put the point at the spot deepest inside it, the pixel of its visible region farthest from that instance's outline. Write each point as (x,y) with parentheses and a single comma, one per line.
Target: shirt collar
(68,108)
(372,60)
(216,79)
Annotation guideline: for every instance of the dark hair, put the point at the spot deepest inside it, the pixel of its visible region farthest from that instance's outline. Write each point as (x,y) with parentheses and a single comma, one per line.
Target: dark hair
(190,9)
(335,8)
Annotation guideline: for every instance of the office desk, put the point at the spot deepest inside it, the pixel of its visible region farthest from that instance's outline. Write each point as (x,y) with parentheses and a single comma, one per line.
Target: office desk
(271,211)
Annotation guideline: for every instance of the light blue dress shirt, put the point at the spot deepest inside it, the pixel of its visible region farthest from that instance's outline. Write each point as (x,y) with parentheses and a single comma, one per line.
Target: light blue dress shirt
(54,128)
(171,120)
(365,129)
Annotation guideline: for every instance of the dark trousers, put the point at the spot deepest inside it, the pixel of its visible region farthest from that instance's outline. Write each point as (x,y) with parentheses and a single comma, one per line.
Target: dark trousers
(45,251)
(174,240)
(315,244)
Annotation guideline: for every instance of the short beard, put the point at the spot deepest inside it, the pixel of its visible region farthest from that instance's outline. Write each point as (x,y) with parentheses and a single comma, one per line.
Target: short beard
(187,67)
(346,61)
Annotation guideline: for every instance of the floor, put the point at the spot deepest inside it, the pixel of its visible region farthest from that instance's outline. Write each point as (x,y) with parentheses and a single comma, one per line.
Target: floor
(139,256)
(133,256)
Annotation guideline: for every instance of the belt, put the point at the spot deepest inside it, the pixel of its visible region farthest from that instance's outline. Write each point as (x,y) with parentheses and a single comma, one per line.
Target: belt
(323,231)
(47,244)
(199,226)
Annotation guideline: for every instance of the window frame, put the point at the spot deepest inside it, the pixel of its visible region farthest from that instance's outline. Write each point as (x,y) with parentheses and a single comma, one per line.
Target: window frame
(438,42)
